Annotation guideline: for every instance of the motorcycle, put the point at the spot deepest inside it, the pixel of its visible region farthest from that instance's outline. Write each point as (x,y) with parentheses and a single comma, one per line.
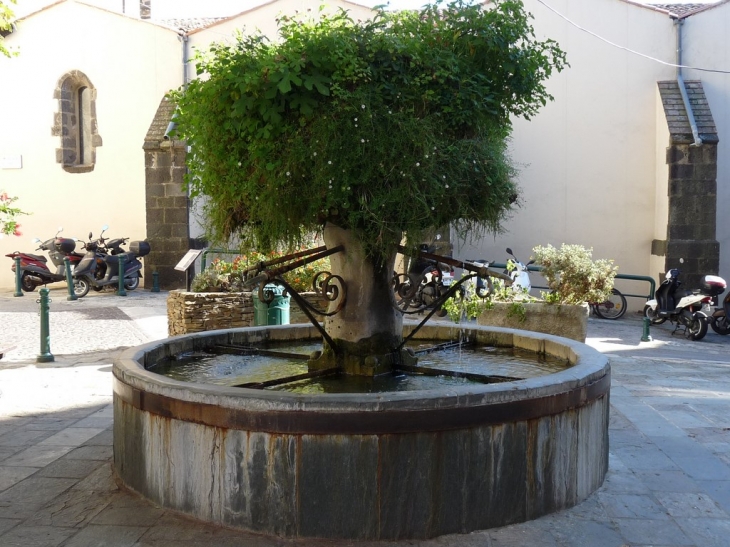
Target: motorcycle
(684,307)
(720,319)
(35,270)
(86,273)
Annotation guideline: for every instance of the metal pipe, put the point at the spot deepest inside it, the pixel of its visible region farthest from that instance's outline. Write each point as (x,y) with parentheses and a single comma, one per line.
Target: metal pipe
(683,88)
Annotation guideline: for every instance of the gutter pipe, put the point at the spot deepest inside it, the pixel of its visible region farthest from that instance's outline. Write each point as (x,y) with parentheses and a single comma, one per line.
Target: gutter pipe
(683,88)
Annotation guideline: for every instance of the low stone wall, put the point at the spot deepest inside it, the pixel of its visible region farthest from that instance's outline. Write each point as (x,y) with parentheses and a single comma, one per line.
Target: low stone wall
(559,320)
(189,312)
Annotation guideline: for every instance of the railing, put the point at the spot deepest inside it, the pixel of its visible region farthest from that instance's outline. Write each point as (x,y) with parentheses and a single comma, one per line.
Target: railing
(630,277)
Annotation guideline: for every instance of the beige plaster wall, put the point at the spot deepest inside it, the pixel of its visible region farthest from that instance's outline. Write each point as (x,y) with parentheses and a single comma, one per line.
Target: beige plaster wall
(132,64)
(587,160)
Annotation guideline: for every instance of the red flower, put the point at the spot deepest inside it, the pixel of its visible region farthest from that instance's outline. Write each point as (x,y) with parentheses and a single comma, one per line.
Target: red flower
(17,231)
(4,197)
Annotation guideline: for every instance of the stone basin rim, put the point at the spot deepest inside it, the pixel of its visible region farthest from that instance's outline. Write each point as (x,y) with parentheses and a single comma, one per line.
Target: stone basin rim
(591,367)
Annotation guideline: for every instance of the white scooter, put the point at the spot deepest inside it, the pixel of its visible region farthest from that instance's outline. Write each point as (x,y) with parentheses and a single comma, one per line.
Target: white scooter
(684,307)
(519,274)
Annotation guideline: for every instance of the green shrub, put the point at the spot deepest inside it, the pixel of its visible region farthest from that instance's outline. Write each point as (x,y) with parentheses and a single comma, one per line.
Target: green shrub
(572,275)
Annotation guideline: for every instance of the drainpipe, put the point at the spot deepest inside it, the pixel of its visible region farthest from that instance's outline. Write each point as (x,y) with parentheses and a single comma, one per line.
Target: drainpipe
(184,40)
(683,88)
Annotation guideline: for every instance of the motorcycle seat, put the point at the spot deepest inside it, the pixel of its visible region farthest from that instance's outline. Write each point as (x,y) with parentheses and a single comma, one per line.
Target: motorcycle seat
(41,258)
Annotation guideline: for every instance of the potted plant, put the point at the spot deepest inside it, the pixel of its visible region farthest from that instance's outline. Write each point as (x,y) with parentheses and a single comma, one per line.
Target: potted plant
(574,279)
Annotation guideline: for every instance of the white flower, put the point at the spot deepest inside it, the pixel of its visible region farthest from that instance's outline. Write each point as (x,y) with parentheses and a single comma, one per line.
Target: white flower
(390,111)
(314,154)
(447,186)
(426,156)
(355,119)
(443,177)
(418,164)
(348,187)
(355,125)
(288,174)
(433,208)
(329,162)
(363,106)
(362,140)
(239,164)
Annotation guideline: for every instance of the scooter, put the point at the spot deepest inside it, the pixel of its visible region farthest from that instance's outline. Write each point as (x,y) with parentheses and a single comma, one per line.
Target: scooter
(720,320)
(519,273)
(85,272)
(35,271)
(683,307)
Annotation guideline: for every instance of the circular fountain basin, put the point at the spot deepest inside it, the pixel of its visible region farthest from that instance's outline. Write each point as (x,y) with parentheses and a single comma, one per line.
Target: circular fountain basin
(394,465)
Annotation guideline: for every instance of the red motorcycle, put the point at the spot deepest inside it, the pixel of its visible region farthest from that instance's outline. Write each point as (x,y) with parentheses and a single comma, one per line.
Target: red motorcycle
(34,268)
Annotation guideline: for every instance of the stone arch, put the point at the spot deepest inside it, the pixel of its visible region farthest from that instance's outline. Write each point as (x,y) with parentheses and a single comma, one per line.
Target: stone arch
(75,123)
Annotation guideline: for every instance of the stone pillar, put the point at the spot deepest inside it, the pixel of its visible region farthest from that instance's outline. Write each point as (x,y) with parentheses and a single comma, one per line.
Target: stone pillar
(690,243)
(168,229)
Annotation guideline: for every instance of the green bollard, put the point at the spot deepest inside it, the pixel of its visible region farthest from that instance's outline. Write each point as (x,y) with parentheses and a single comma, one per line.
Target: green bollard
(18,278)
(155,281)
(69,279)
(121,291)
(45,356)
(645,335)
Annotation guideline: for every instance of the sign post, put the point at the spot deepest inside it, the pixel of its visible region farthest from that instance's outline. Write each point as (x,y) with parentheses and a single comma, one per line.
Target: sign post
(187,261)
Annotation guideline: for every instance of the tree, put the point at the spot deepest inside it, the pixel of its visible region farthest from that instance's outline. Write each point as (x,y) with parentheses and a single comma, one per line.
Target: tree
(371,130)
(6,17)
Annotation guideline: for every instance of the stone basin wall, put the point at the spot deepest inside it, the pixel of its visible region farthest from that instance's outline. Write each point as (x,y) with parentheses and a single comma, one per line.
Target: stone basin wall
(189,312)
(563,320)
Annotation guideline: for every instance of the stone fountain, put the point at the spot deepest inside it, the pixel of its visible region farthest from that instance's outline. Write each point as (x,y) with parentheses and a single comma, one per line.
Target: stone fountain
(397,465)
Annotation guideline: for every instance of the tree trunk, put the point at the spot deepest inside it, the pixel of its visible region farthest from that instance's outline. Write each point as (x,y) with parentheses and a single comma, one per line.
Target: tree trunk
(368,328)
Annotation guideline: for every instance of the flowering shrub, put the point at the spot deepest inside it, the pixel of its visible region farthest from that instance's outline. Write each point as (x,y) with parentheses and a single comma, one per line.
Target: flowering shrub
(224,276)
(8,214)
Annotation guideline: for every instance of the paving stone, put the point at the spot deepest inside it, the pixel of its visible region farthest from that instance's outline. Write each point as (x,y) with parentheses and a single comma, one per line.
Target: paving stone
(586,532)
(667,481)
(651,532)
(106,536)
(69,468)
(535,533)
(10,476)
(7,524)
(105,438)
(72,509)
(50,424)
(71,436)
(35,491)
(690,505)
(100,480)
(36,536)
(719,491)
(37,456)
(23,438)
(118,513)
(91,452)
(707,532)
(632,506)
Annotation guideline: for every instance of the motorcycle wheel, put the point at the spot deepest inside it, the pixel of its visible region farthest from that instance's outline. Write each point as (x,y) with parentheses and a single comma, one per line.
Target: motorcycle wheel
(26,284)
(697,328)
(721,325)
(652,316)
(131,283)
(613,308)
(81,287)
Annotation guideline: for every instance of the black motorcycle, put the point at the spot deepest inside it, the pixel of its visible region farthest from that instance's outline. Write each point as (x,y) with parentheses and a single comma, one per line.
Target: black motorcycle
(720,319)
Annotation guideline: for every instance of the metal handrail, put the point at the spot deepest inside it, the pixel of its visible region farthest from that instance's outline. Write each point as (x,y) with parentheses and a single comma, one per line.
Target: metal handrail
(631,277)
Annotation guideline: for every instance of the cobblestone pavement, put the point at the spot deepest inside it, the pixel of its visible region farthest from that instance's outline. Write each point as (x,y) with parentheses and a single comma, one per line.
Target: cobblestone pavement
(669,471)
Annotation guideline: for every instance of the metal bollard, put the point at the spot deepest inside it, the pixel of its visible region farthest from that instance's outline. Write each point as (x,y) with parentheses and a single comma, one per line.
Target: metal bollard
(69,280)
(155,281)
(45,356)
(18,278)
(645,337)
(122,291)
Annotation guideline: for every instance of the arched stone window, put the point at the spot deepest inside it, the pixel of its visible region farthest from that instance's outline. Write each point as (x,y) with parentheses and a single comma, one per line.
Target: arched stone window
(75,123)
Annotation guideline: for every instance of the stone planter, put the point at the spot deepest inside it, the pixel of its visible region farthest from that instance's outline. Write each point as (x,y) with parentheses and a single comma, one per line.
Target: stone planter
(189,312)
(568,321)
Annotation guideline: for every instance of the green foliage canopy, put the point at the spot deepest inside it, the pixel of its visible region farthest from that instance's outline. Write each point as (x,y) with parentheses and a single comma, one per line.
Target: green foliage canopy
(385,127)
